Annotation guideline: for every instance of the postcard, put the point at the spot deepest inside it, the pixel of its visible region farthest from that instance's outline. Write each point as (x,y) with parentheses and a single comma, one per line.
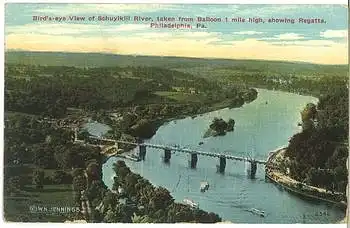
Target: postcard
(176,113)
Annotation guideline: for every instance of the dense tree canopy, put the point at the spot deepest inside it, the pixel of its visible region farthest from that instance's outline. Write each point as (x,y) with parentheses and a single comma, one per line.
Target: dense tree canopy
(318,155)
(49,91)
(219,127)
(143,96)
(158,204)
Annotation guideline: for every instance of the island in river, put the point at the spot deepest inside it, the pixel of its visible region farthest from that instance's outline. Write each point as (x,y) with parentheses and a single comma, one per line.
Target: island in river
(44,104)
(232,195)
(219,127)
(270,117)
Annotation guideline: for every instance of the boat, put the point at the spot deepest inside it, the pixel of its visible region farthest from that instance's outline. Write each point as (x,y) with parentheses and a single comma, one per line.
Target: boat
(200,143)
(257,212)
(204,186)
(120,190)
(191,203)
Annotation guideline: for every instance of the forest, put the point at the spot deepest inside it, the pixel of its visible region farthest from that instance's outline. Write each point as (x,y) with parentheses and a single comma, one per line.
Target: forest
(41,160)
(38,163)
(153,204)
(49,91)
(42,163)
(318,154)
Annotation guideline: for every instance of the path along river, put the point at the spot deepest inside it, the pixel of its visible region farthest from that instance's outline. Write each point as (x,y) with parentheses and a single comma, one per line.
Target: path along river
(261,126)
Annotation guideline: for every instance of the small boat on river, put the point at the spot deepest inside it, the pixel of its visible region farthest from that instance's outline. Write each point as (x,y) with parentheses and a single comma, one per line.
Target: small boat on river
(204,186)
(257,212)
(191,203)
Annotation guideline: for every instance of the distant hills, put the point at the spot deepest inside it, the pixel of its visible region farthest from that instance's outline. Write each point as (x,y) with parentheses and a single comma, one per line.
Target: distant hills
(111,60)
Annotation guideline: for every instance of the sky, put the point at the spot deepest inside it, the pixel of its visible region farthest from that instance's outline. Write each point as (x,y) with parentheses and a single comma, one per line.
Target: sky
(324,43)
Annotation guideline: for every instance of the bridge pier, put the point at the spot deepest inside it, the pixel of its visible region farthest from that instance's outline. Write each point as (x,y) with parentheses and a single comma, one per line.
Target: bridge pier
(142,152)
(222,164)
(167,155)
(252,171)
(193,162)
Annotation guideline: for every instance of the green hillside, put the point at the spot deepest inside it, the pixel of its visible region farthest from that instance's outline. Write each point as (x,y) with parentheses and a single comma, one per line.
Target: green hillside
(107,60)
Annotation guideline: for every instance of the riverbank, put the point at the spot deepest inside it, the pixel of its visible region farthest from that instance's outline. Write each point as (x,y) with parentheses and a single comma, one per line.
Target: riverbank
(273,173)
(230,195)
(163,118)
(202,110)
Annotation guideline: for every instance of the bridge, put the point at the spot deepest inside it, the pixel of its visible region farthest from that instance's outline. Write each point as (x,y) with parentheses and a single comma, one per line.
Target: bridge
(194,154)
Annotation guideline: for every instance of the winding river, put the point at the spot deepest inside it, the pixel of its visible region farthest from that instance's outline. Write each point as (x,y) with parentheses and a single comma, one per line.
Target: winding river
(261,126)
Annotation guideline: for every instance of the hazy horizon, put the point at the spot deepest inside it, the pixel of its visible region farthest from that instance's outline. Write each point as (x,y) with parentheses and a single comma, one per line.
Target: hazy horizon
(170,56)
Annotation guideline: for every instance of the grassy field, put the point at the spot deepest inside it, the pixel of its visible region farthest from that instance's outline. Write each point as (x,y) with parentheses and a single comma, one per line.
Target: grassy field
(234,74)
(18,208)
(181,96)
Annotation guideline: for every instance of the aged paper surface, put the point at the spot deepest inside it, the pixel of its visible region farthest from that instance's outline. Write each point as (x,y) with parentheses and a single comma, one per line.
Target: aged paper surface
(174,113)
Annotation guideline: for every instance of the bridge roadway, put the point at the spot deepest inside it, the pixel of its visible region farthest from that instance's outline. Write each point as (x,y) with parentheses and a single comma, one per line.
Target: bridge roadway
(184,150)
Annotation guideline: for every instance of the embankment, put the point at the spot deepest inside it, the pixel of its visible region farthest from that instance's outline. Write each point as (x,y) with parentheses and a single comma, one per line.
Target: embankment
(273,173)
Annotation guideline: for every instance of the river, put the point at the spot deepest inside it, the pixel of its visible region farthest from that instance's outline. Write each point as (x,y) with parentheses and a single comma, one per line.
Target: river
(261,126)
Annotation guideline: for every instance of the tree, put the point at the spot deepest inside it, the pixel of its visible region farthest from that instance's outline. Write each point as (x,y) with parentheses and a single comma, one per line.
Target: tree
(230,124)
(79,180)
(236,101)
(61,177)
(117,215)
(141,219)
(144,128)
(318,153)
(219,125)
(130,183)
(309,112)
(96,192)
(84,135)
(158,205)
(308,125)
(179,213)
(42,156)
(340,177)
(250,95)
(38,178)
(93,170)
(110,200)
(13,184)
(112,216)
(121,170)
(160,198)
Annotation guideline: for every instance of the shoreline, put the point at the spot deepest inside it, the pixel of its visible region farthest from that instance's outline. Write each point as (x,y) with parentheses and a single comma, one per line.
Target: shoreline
(290,184)
(160,121)
(289,187)
(212,108)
